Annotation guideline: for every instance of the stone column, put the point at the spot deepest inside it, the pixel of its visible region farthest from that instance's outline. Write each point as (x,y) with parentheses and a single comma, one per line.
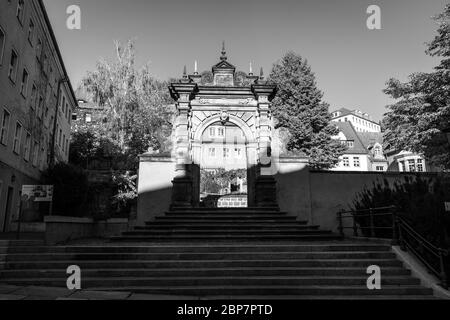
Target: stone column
(183,93)
(265,182)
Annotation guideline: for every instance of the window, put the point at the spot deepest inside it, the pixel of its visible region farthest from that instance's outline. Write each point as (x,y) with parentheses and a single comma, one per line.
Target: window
(221,132)
(212,152)
(377,151)
(412,165)
(420,165)
(67,111)
(349,143)
(226,152)
(401,165)
(27,147)
(31,32)
(380,168)
(238,153)
(33,96)
(67,146)
(346,162)
(88,118)
(212,132)
(5,127)
(356,162)
(42,158)
(39,49)
(63,103)
(17,138)
(2,45)
(20,10)
(35,153)
(40,107)
(13,62)
(64,143)
(60,137)
(24,84)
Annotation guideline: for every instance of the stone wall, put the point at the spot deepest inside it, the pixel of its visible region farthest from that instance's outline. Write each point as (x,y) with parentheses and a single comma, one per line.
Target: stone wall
(316,196)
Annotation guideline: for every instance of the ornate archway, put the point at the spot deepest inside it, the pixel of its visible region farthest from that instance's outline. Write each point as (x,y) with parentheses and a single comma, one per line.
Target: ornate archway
(200,106)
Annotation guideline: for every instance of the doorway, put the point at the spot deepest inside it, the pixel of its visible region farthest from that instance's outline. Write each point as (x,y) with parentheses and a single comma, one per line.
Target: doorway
(223,167)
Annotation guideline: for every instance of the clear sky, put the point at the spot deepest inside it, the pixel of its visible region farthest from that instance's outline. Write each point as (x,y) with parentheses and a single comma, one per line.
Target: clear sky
(352,63)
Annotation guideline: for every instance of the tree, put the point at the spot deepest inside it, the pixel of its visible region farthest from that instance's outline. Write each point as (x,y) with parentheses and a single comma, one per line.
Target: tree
(138,116)
(417,120)
(298,107)
(139,108)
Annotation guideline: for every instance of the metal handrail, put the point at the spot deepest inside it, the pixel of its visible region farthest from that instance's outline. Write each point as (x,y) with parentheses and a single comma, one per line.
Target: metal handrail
(402,233)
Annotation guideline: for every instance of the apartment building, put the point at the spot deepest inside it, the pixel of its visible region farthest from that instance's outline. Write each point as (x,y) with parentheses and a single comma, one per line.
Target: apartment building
(36,101)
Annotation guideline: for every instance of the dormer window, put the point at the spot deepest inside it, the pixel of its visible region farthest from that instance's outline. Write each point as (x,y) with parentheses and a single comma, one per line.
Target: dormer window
(377,151)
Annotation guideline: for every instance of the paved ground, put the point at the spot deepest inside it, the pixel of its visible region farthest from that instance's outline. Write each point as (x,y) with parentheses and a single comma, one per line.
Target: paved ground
(8,292)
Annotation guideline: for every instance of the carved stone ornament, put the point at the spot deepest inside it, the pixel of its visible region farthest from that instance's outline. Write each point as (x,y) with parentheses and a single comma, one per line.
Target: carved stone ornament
(224,116)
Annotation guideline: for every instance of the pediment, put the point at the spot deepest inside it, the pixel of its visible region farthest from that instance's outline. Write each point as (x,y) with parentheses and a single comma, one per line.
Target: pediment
(224,65)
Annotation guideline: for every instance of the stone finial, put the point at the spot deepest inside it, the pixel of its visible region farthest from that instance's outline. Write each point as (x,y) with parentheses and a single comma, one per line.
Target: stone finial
(184,73)
(195,67)
(224,52)
(261,74)
(251,69)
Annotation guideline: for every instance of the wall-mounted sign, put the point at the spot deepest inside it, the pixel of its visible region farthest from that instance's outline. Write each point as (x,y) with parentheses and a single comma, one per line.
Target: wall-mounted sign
(447,206)
(38,193)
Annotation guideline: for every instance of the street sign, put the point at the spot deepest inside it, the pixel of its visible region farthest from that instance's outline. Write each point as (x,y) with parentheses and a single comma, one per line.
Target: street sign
(447,206)
(38,193)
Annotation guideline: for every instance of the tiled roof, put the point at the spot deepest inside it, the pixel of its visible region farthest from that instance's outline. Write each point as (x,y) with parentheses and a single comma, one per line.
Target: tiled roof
(350,133)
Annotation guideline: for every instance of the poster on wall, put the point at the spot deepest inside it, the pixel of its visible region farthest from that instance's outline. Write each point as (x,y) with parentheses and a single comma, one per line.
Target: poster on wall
(38,193)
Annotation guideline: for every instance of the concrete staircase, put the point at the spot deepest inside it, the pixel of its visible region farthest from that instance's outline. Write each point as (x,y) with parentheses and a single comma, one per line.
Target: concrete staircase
(220,254)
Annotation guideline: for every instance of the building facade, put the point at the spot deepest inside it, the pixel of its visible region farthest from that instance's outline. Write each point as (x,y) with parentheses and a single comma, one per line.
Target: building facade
(36,101)
(362,122)
(365,149)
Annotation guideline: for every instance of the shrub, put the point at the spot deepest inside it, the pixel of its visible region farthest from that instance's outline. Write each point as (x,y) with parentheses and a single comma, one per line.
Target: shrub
(419,200)
(70,189)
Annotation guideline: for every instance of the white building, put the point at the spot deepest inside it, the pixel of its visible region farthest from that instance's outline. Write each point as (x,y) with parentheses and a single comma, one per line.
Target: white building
(364,139)
(362,122)
(365,149)
(224,147)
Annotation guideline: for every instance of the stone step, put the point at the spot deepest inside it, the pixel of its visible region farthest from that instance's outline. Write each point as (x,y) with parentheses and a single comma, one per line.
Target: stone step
(226,212)
(203,272)
(247,217)
(226,237)
(247,209)
(237,291)
(213,248)
(223,226)
(21,243)
(199,256)
(226,263)
(165,221)
(224,232)
(276,281)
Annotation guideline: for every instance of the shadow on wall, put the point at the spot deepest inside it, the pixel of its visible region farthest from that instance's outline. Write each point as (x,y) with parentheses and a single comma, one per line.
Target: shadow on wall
(314,196)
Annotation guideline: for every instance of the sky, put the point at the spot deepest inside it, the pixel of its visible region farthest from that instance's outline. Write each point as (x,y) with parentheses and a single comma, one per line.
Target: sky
(351,62)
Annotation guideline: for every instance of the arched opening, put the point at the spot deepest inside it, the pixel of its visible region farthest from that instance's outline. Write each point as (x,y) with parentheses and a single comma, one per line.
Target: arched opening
(223,166)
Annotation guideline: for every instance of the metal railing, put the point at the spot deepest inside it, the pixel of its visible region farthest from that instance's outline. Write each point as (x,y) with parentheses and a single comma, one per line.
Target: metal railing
(402,233)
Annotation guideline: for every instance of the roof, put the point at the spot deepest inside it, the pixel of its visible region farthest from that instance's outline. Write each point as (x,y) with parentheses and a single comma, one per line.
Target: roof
(350,133)
(369,139)
(345,112)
